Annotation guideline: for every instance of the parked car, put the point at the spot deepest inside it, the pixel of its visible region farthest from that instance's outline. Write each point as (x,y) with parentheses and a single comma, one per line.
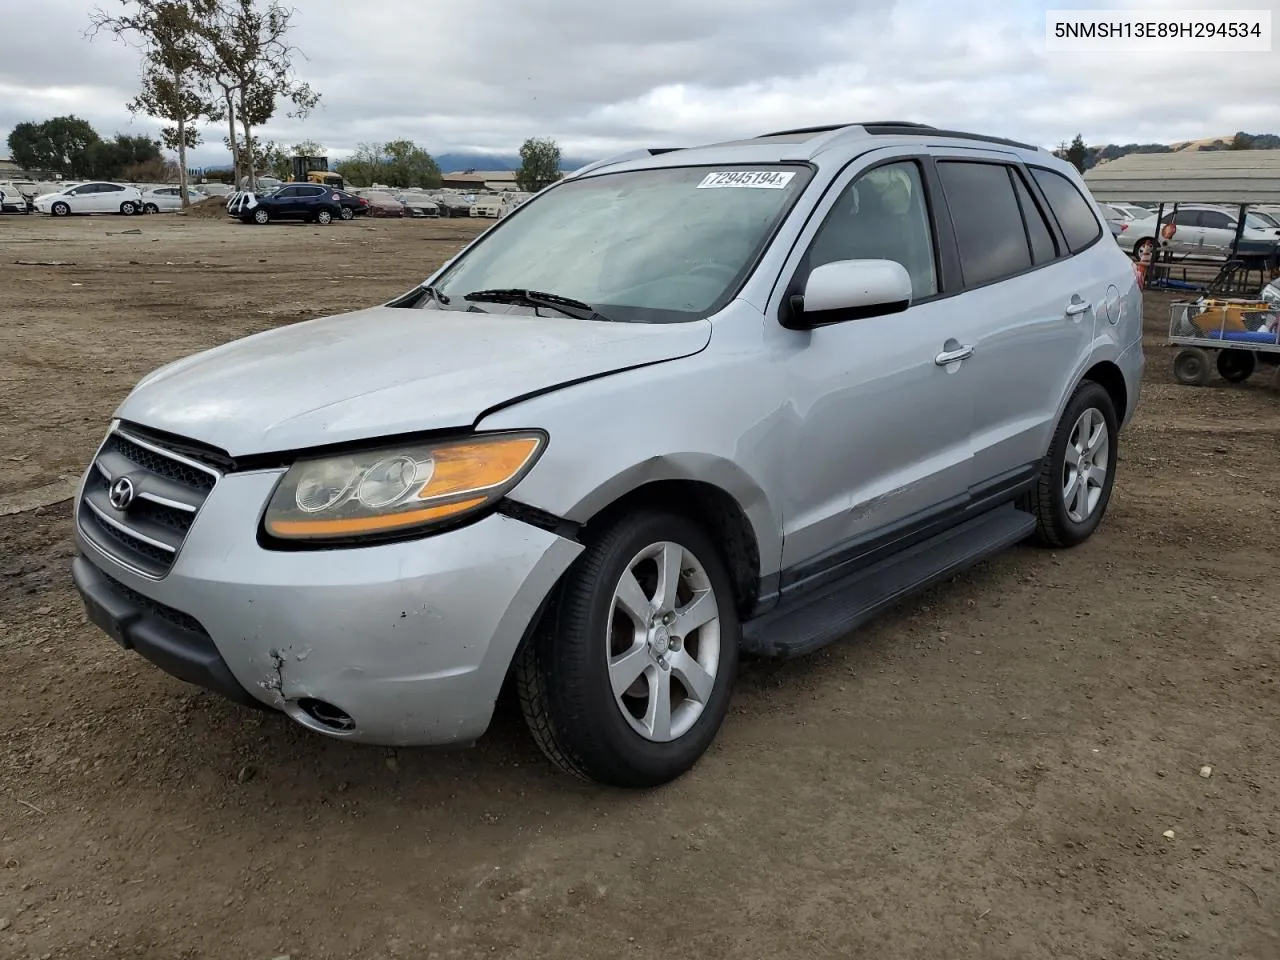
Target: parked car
(679,405)
(93,197)
(299,201)
(383,204)
(1132,210)
(168,199)
(1119,220)
(17,196)
(1204,230)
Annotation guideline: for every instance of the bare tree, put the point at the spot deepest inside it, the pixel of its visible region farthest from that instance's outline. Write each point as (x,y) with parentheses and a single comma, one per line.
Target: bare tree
(168,32)
(251,61)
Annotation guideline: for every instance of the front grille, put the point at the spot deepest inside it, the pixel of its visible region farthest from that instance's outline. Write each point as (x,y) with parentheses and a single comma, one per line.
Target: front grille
(169,488)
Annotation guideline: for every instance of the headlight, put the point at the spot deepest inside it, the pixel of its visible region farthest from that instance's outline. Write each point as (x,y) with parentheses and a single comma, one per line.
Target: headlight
(397,489)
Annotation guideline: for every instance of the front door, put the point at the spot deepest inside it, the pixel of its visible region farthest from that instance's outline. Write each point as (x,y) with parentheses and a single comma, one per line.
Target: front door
(881,416)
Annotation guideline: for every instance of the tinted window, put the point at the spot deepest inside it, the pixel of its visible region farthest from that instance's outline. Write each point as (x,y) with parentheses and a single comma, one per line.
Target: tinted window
(1215,218)
(988,225)
(1043,246)
(1075,217)
(108,187)
(311,191)
(287,192)
(1185,218)
(882,215)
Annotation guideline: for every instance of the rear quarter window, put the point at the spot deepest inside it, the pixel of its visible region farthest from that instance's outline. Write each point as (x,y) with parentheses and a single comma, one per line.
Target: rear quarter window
(1074,215)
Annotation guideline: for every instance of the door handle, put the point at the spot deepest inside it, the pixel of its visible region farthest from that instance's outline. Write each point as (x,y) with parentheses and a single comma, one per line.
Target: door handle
(951,356)
(1077,307)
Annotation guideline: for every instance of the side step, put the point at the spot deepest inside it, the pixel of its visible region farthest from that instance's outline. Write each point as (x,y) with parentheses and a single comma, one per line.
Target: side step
(803,624)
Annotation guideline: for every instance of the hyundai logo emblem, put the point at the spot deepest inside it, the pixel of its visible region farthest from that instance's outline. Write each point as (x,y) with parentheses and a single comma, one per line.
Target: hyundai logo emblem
(121,493)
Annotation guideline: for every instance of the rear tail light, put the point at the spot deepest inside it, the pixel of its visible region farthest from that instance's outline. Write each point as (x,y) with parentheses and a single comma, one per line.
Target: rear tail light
(1124,227)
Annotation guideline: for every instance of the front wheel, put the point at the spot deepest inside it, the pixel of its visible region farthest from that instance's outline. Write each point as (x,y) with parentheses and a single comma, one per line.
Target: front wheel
(629,678)
(60,209)
(1077,473)
(261,216)
(1191,367)
(150,208)
(323,217)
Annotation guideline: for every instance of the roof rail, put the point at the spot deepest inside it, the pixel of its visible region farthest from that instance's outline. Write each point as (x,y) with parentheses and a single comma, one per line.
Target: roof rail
(892,128)
(827,128)
(622,158)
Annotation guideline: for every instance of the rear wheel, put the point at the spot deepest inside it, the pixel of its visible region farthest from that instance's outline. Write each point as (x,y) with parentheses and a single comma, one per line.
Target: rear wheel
(1077,473)
(347,213)
(1142,249)
(1236,366)
(629,677)
(1191,366)
(128,208)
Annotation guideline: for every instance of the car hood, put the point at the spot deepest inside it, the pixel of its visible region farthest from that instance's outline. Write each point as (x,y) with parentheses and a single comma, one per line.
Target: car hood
(386,371)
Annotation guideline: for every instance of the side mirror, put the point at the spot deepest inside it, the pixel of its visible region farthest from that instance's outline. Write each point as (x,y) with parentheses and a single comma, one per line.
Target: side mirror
(850,290)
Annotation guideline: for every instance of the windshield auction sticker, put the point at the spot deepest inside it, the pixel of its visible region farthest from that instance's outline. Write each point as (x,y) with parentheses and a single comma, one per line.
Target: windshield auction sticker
(759,179)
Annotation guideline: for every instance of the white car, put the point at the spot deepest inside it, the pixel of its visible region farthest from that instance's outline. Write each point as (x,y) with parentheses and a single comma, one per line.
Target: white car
(92,197)
(167,199)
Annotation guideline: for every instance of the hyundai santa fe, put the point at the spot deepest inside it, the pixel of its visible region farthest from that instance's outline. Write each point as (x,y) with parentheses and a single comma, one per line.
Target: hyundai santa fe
(682,406)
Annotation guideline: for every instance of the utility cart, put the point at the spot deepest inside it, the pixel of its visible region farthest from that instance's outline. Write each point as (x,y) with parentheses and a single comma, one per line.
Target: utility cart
(1231,333)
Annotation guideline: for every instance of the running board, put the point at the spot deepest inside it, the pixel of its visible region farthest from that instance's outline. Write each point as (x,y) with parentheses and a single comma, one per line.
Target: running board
(802,625)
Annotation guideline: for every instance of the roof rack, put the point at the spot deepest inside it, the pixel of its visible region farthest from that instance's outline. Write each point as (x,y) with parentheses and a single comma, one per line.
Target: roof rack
(900,128)
(623,158)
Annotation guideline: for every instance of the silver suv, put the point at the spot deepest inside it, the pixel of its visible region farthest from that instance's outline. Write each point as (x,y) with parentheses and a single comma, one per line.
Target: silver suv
(681,406)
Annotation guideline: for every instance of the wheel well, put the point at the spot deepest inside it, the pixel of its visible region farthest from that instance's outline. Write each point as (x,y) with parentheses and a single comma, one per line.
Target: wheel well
(709,506)
(1108,376)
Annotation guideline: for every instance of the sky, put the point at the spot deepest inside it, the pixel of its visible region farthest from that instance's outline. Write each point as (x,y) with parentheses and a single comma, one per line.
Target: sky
(606,77)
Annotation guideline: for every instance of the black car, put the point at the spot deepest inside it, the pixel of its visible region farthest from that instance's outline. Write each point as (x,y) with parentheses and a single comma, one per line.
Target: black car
(298,201)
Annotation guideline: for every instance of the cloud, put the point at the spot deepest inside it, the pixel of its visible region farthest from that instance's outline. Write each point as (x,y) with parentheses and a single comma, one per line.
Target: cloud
(603,77)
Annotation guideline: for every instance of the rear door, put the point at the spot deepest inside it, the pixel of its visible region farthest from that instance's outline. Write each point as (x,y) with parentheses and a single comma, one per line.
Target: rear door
(1217,233)
(1032,301)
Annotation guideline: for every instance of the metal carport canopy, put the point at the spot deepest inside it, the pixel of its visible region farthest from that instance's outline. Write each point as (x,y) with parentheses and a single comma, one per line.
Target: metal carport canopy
(1193,176)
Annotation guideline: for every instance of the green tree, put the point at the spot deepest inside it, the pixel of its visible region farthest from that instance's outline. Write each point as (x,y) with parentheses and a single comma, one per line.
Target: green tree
(175,86)
(539,164)
(60,145)
(250,60)
(363,167)
(1077,153)
(408,165)
(1242,141)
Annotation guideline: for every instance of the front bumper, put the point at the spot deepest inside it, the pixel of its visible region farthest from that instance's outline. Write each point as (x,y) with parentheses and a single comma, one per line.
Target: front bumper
(411,640)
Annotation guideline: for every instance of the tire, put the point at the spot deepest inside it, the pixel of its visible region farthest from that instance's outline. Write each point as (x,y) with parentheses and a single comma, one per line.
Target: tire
(1236,366)
(565,673)
(1143,248)
(347,213)
(324,217)
(261,215)
(128,208)
(1191,367)
(60,209)
(1065,517)
(150,208)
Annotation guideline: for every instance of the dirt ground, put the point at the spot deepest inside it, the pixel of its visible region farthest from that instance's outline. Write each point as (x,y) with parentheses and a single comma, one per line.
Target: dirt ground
(986,773)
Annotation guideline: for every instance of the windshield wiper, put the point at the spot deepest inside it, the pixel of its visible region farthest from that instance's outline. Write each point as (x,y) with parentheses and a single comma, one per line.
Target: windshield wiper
(536,298)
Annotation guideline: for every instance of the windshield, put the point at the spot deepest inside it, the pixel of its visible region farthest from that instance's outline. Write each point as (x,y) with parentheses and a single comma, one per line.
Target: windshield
(648,246)
(1259,221)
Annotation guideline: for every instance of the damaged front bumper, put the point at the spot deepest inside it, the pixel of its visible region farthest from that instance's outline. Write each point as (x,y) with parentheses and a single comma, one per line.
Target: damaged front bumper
(397,644)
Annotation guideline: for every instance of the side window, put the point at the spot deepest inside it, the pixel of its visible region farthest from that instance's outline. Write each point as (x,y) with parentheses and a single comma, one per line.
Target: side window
(1186,218)
(1215,218)
(882,215)
(109,188)
(1043,247)
(288,192)
(313,191)
(1072,210)
(988,224)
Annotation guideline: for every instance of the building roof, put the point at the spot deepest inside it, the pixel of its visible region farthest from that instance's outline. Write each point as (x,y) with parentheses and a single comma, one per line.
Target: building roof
(479,176)
(1195,176)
